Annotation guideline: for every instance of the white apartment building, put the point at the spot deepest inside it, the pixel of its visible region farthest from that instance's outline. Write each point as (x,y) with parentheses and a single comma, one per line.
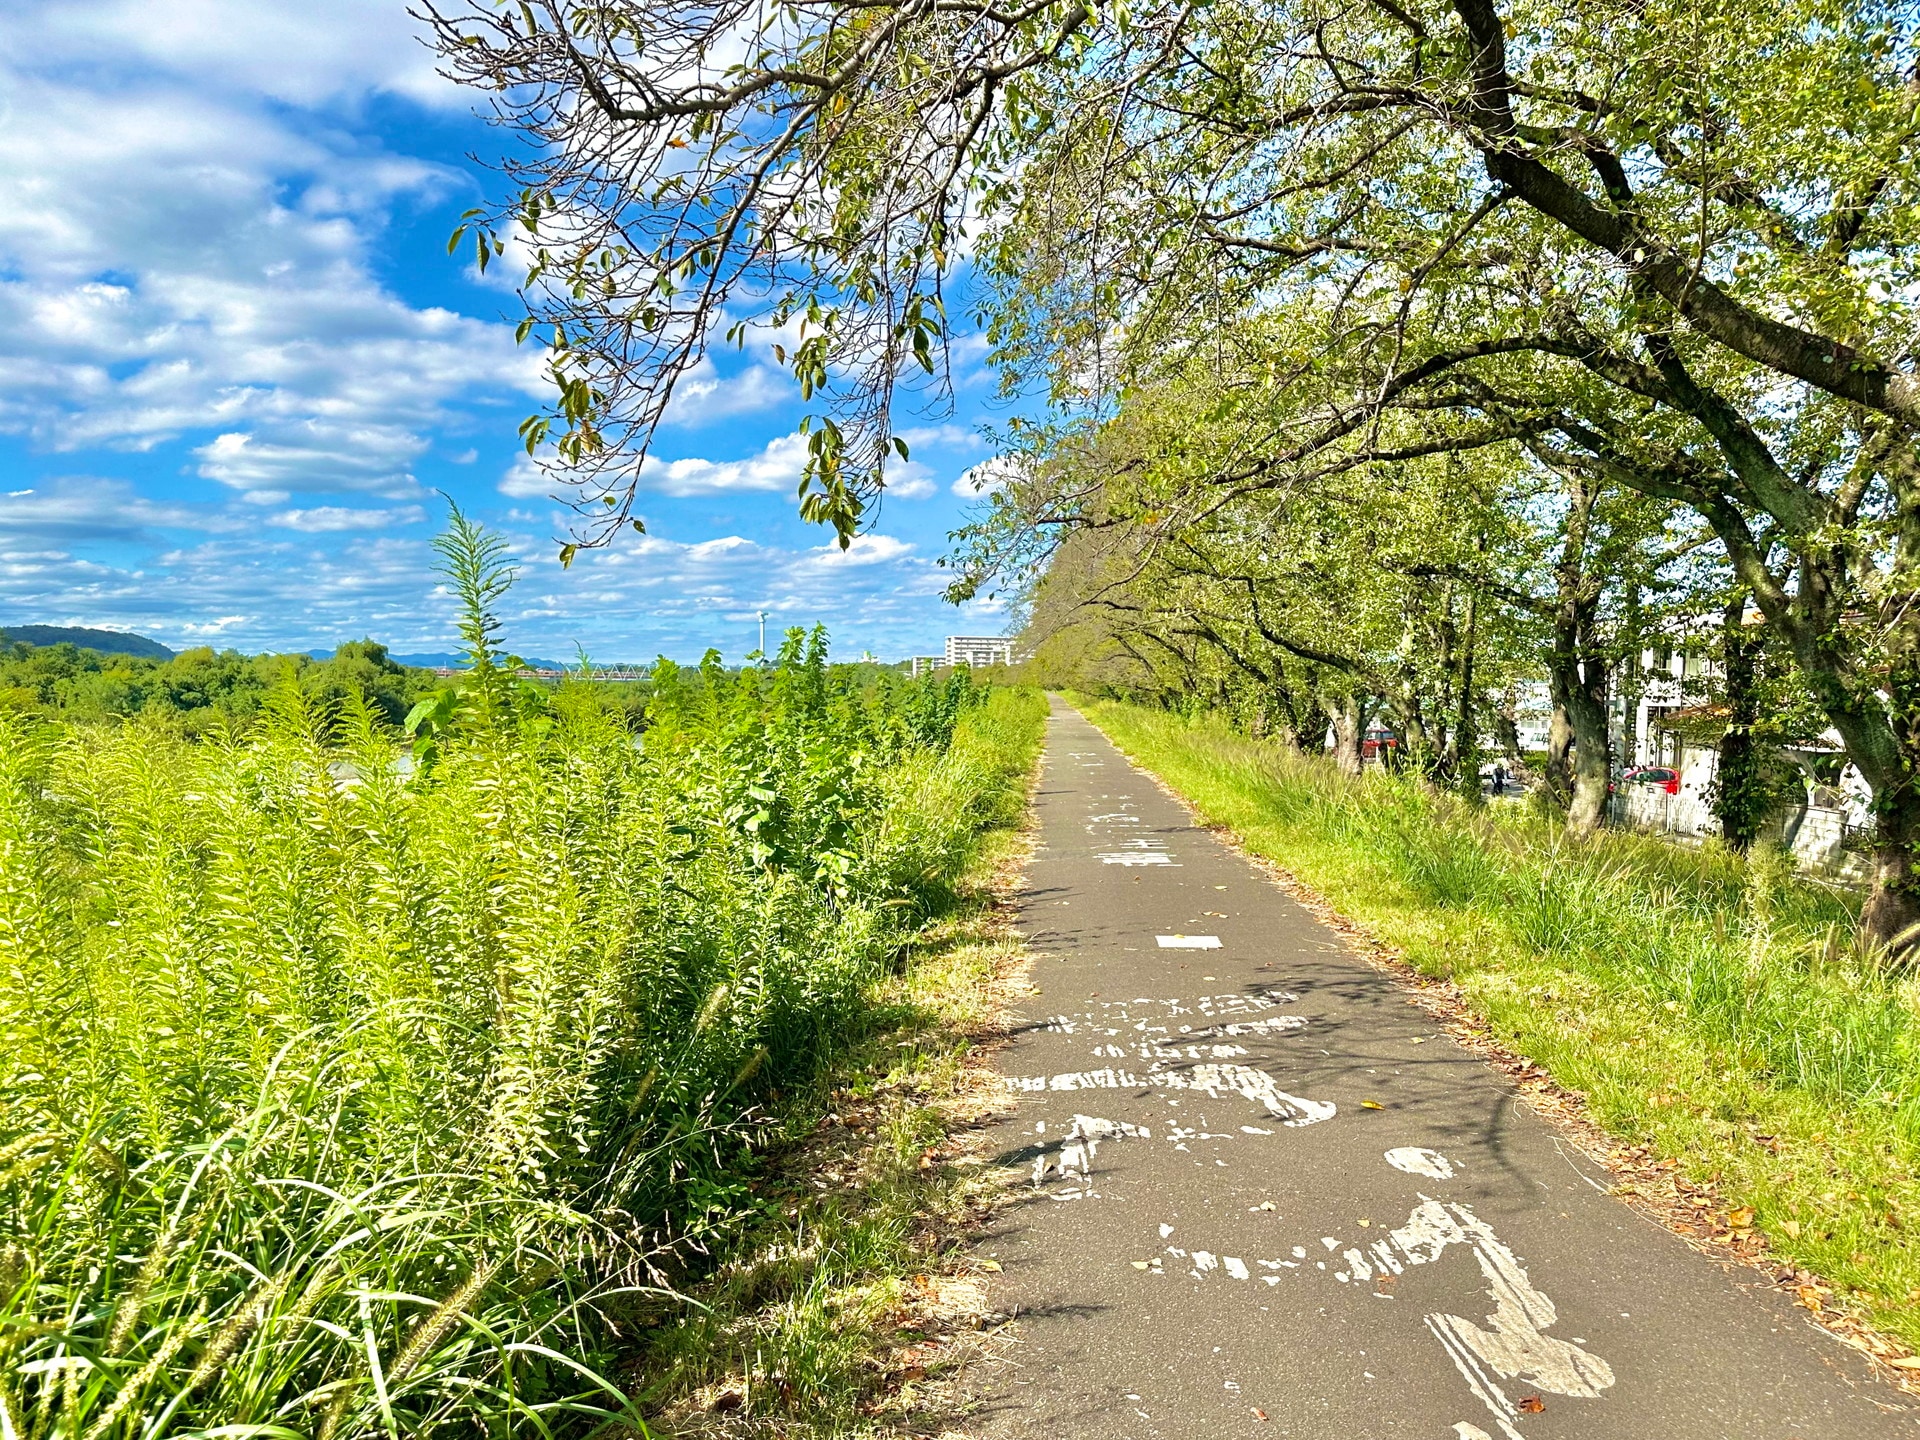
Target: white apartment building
(978,650)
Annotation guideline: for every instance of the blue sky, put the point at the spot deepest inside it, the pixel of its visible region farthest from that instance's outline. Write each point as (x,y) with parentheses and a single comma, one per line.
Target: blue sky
(236,364)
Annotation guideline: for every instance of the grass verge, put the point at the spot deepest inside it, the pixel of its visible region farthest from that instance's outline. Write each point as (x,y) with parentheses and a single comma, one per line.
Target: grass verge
(842,1302)
(1713,1013)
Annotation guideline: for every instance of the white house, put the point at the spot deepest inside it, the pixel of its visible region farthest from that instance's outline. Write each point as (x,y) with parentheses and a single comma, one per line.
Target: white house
(1674,680)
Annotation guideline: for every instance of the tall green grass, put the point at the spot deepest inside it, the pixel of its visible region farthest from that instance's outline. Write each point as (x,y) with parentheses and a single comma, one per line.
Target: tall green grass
(1716,1008)
(340,1099)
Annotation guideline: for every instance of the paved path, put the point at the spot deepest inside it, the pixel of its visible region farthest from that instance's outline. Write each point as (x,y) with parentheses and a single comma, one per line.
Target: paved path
(1218,1224)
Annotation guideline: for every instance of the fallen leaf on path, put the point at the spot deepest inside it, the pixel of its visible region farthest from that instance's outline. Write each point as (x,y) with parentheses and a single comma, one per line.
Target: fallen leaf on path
(1906,1362)
(1740,1218)
(993,1265)
(1530,1405)
(1258,1413)
(1141,1264)
(1371,1105)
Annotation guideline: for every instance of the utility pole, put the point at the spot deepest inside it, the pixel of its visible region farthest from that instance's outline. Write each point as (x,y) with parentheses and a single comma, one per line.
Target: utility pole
(763,637)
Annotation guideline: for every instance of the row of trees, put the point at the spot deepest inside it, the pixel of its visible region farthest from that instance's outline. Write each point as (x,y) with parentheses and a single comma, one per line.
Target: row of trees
(1429,597)
(206,691)
(1392,338)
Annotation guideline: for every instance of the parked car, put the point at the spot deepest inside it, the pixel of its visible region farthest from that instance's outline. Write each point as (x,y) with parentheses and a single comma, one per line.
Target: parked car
(1665,776)
(1377,744)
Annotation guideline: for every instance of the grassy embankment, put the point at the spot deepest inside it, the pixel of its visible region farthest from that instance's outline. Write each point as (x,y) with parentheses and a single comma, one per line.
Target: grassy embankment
(1713,1009)
(338,1101)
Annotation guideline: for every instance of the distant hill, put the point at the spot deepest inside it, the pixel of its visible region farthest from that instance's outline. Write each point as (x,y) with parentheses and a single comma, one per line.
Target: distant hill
(107,642)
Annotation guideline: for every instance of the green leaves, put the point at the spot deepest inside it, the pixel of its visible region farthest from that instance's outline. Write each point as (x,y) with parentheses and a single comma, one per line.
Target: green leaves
(826,494)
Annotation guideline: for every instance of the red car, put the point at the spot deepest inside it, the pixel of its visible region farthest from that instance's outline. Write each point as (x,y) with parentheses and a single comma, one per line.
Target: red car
(1376,744)
(1665,776)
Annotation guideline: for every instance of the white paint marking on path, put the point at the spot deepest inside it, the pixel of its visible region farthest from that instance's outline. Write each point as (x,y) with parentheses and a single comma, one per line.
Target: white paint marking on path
(1072,1160)
(1516,1346)
(1512,1345)
(1214,1007)
(1208,1007)
(1137,857)
(1415,1160)
(1152,1051)
(1215,1080)
(1188,942)
(1256,1085)
(1278,1025)
(1106,1079)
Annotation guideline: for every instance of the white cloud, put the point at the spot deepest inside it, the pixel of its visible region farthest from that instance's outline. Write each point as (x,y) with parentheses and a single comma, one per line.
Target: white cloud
(179,253)
(704,395)
(985,478)
(778,467)
(865,550)
(724,547)
(326,519)
(315,456)
(209,629)
(909,480)
(297,53)
(525,480)
(81,508)
(949,437)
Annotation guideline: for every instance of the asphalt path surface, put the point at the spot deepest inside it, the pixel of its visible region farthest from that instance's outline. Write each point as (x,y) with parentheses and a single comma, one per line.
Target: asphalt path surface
(1262,1195)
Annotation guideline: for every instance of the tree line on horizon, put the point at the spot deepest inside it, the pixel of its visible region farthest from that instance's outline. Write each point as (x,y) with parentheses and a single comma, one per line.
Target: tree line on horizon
(204,691)
(219,694)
